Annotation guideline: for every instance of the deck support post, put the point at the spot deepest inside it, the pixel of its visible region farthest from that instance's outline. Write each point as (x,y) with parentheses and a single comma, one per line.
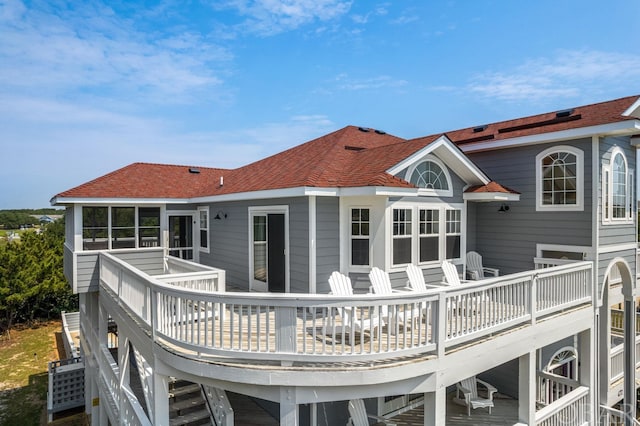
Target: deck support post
(288,406)
(586,366)
(160,399)
(629,360)
(527,388)
(435,407)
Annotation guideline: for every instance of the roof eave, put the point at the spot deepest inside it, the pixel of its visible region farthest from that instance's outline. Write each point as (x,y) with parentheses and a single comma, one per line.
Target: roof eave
(490,196)
(627,127)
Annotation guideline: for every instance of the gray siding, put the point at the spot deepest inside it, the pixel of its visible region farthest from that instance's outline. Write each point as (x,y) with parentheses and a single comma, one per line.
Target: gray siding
(68,227)
(229,241)
(148,261)
(508,240)
(88,272)
(327,241)
(616,233)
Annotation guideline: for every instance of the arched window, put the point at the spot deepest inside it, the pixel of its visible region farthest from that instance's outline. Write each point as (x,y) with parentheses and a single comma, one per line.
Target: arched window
(617,189)
(562,365)
(559,179)
(431,176)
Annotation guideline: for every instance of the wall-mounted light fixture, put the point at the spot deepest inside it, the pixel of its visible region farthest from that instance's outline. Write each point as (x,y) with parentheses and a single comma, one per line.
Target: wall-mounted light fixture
(220,215)
(503,208)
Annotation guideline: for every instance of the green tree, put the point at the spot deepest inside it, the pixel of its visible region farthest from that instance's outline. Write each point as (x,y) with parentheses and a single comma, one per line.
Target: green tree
(32,283)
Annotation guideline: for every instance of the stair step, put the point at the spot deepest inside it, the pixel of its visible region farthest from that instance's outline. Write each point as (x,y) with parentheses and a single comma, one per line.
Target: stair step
(185,390)
(184,407)
(200,417)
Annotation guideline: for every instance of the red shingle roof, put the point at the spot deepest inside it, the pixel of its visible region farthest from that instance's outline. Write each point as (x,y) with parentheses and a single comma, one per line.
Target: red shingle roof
(491,187)
(349,157)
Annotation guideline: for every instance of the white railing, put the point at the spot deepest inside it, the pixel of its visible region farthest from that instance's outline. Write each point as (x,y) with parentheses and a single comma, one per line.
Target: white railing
(549,262)
(552,387)
(70,327)
(610,416)
(293,327)
(616,357)
(131,411)
(570,410)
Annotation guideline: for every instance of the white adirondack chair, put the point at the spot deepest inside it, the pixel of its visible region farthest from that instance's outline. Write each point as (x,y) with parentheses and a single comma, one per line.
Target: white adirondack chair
(359,415)
(469,389)
(381,284)
(475,269)
(450,271)
(416,278)
(341,286)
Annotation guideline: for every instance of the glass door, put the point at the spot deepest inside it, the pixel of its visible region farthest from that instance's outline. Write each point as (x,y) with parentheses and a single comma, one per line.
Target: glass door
(181,236)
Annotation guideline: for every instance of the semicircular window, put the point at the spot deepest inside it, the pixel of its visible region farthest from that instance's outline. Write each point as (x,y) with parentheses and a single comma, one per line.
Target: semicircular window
(430,175)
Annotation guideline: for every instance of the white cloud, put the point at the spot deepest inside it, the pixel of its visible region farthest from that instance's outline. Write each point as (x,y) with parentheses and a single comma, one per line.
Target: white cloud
(566,74)
(90,47)
(270,17)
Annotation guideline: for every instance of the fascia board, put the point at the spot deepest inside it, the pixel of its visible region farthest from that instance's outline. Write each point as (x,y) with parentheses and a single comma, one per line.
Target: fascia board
(633,110)
(450,155)
(491,196)
(116,201)
(622,127)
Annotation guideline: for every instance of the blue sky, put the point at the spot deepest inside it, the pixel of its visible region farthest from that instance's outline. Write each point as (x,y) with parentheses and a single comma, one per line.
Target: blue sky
(88,87)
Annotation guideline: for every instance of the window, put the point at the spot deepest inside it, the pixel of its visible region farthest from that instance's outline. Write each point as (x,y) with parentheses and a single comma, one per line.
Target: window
(559,179)
(617,189)
(105,228)
(95,228)
(402,236)
(203,212)
(436,235)
(431,177)
(149,227)
(123,227)
(360,237)
(429,235)
(453,233)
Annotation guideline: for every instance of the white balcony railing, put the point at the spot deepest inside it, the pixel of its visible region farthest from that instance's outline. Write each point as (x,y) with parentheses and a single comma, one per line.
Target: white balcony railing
(616,362)
(290,327)
(570,410)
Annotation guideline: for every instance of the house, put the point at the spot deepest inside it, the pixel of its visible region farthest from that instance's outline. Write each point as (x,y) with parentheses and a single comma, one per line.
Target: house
(219,277)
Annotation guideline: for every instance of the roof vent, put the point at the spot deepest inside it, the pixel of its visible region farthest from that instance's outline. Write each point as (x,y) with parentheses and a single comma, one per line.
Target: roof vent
(194,170)
(381,132)
(353,148)
(479,129)
(565,112)
(363,129)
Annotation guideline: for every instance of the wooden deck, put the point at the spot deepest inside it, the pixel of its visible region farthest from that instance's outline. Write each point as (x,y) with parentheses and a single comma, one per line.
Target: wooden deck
(505,413)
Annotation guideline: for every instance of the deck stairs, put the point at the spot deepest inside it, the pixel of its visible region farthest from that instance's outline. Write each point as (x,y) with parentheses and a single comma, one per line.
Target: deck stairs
(187,407)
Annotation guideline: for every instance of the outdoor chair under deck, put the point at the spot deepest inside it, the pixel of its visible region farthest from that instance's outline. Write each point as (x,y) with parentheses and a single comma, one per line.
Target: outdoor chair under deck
(359,415)
(381,284)
(476,270)
(469,388)
(352,323)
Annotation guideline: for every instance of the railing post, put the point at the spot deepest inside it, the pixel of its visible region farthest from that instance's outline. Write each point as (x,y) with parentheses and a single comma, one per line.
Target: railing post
(441,324)
(533,298)
(285,330)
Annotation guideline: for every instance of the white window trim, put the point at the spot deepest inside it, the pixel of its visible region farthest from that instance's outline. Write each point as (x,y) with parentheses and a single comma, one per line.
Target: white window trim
(607,196)
(587,252)
(206,249)
(415,239)
(579,206)
(428,192)
(366,267)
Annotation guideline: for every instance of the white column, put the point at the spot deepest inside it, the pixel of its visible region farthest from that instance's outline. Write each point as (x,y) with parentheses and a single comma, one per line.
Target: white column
(288,406)
(435,407)
(629,360)
(527,388)
(160,399)
(586,368)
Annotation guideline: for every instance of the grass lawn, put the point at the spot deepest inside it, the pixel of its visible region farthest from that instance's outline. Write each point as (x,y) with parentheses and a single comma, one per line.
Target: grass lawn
(23,373)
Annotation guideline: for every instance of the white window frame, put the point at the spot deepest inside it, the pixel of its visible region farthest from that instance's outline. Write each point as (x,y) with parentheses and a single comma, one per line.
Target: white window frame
(430,191)
(359,237)
(110,226)
(204,210)
(579,205)
(607,191)
(415,234)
